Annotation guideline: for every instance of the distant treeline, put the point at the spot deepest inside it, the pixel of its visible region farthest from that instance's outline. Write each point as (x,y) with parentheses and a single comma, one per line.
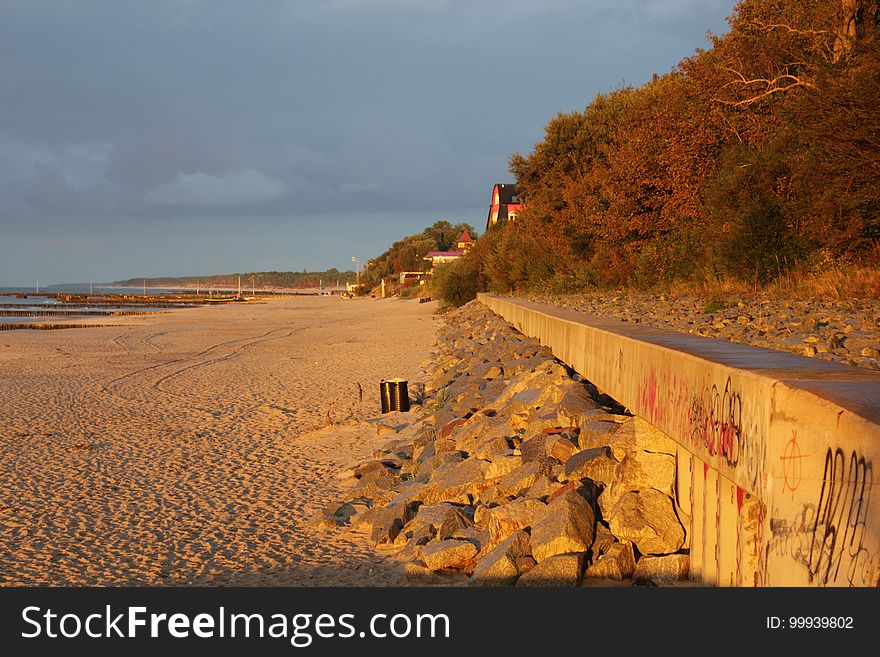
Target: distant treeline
(258,279)
(754,158)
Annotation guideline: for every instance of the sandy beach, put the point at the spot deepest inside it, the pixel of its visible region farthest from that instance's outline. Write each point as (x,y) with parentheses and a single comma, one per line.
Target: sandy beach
(192,447)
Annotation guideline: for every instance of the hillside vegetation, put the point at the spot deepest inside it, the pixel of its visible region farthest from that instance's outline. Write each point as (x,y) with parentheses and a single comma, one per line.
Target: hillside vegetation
(753,161)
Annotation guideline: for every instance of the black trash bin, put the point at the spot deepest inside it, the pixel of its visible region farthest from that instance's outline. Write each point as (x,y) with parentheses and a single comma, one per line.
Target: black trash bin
(394,395)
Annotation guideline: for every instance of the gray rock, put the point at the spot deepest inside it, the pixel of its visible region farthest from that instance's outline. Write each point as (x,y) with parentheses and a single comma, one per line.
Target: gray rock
(636,434)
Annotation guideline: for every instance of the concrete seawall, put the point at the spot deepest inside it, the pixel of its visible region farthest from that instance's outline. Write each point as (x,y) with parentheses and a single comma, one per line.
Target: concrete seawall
(776,451)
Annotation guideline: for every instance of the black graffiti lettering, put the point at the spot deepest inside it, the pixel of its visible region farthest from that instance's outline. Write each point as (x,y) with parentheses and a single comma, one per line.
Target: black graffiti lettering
(838,532)
(716,424)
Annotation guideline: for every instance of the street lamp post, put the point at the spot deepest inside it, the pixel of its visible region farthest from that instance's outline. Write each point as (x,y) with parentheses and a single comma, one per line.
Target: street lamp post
(357,273)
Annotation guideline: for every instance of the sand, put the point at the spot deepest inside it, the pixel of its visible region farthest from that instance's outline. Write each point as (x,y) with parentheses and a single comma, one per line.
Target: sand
(192,447)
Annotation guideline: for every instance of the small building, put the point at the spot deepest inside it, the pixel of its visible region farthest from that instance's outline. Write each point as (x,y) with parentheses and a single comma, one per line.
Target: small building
(465,241)
(439,257)
(505,204)
(410,277)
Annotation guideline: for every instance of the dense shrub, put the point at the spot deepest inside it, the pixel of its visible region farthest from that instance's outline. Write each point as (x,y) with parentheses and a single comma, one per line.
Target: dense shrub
(457,282)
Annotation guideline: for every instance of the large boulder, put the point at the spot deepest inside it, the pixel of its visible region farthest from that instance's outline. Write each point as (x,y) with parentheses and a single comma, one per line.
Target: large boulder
(575,405)
(382,523)
(647,518)
(457,483)
(597,464)
(639,470)
(499,566)
(519,514)
(524,476)
(662,571)
(558,570)
(450,553)
(478,429)
(568,525)
(618,562)
(561,447)
(596,430)
(501,465)
(636,434)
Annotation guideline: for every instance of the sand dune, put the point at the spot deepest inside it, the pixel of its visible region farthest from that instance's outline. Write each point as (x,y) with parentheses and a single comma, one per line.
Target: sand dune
(188,448)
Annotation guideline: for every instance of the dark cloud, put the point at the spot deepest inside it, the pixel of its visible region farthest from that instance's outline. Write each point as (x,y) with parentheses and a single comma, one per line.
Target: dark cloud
(119,114)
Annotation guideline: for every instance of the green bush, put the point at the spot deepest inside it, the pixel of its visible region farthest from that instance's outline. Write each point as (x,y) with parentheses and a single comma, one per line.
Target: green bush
(457,282)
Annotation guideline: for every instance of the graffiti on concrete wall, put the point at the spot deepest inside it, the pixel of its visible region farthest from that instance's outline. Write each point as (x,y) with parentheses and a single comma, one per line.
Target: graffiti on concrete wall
(715,421)
(839,531)
(828,537)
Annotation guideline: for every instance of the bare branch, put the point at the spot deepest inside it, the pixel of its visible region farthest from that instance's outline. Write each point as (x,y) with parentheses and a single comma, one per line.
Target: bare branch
(788,28)
(773,87)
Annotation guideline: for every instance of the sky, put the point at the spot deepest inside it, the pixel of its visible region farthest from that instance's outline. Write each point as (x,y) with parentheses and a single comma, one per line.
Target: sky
(193,137)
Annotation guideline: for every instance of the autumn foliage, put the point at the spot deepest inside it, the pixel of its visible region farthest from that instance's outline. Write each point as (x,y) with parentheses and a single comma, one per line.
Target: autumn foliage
(755,157)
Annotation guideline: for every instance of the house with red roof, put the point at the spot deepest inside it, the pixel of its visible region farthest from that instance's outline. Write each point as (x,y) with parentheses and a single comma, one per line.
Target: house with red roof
(505,205)
(462,244)
(464,241)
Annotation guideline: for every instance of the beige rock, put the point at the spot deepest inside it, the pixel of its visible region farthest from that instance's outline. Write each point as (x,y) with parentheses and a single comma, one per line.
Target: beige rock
(575,405)
(499,566)
(523,401)
(534,447)
(647,518)
(457,483)
(638,434)
(566,526)
(493,372)
(451,553)
(477,430)
(452,524)
(597,464)
(523,477)
(596,432)
(662,571)
(561,447)
(543,488)
(420,575)
(520,514)
(604,539)
(491,448)
(433,515)
(618,562)
(502,465)
(558,570)
(638,470)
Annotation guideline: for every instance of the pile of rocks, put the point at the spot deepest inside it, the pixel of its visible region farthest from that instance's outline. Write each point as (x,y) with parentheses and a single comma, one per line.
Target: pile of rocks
(517,473)
(840,331)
